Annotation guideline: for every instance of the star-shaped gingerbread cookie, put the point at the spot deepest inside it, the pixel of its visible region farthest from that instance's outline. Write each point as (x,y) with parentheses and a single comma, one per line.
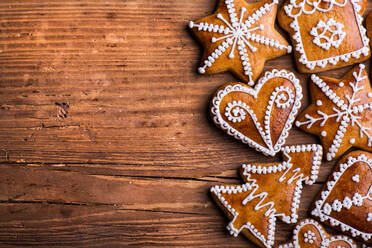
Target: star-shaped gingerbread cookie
(239,37)
(340,113)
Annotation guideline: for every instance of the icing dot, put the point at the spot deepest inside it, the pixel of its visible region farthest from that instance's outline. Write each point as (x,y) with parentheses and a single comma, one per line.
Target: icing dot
(369,94)
(355,178)
(201,70)
(323,133)
(369,217)
(352,141)
(341,84)
(319,103)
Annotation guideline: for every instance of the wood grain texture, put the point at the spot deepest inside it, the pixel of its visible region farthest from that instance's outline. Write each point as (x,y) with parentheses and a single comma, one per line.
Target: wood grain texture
(105,139)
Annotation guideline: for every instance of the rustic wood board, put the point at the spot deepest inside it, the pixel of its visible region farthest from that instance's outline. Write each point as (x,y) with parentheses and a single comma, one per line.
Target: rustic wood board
(105,139)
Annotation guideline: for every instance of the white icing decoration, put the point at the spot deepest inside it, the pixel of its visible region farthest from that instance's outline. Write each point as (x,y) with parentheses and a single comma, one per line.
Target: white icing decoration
(323,133)
(309,237)
(251,185)
(270,149)
(341,84)
(355,178)
(325,242)
(336,205)
(314,6)
(323,29)
(319,103)
(285,98)
(358,199)
(239,34)
(369,217)
(323,210)
(235,111)
(369,94)
(346,114)
(352,141)
(308,7)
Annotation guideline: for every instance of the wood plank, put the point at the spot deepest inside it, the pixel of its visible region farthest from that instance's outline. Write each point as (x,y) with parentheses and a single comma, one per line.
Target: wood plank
(105,228)
(105,139)
(71,207)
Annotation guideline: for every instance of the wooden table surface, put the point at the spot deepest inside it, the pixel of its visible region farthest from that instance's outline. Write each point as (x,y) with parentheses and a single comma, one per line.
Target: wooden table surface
(105,139)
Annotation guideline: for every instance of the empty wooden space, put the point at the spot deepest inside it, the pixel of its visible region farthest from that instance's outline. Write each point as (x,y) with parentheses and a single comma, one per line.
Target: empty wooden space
(105,137)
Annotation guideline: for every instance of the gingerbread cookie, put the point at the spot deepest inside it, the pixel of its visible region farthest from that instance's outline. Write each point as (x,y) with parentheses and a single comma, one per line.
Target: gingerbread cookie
(369,26)
(270,190)
(310,234)
(340,113)
(326,34)
(239,37)
(345,202)
(261,116)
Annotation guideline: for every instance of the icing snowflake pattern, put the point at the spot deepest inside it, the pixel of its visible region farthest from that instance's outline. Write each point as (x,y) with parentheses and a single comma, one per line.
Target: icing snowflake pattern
(347,114)
(238,34)
(327,34)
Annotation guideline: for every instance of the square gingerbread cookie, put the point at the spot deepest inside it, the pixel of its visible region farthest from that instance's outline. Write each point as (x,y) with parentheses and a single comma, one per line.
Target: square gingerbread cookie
(326,34)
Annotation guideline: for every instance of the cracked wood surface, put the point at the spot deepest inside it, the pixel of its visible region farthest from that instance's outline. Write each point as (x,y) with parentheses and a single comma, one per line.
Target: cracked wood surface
(105,139)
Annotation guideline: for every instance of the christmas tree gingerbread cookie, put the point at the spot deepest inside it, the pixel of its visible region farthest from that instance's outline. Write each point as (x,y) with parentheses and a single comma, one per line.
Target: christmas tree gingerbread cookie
(270,190)
(345,202)
(325,34)
(340,113)
(310,234)
(261,116)
(239,37)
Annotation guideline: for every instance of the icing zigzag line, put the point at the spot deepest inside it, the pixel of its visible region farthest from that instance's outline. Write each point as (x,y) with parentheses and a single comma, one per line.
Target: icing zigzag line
(252,186)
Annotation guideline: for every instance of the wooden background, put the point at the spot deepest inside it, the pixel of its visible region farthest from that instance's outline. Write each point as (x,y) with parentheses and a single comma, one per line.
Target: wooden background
(105,139)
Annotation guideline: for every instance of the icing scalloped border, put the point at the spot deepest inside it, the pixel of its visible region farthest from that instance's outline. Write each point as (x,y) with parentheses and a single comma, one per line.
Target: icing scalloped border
(334,59)
(317,211)
(284,166)
(217,118)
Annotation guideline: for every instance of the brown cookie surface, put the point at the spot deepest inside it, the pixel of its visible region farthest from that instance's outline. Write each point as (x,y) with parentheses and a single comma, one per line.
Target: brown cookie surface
(369,27)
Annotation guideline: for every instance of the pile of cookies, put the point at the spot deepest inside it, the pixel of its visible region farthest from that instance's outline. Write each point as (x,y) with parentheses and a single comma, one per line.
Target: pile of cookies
(325,34)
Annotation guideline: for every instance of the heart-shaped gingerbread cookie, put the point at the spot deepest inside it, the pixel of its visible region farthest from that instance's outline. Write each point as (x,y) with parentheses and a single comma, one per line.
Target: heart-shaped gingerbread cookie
(345,202)
(261,116)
